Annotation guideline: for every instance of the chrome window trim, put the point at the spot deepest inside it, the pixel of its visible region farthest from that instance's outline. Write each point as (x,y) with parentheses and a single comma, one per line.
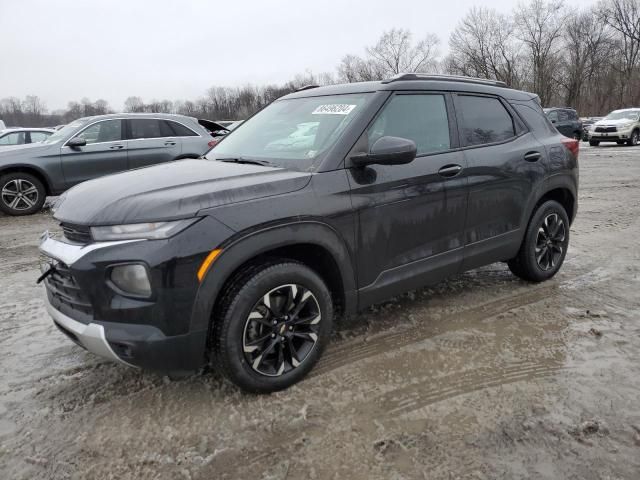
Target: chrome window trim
(133,139)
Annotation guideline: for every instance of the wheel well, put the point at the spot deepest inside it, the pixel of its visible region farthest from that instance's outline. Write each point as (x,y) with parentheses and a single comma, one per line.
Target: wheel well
(30,171)
(561,195)
(313,256)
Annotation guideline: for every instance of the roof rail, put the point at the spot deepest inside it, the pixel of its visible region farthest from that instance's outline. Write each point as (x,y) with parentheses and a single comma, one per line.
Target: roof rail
(307,87)
(445,78)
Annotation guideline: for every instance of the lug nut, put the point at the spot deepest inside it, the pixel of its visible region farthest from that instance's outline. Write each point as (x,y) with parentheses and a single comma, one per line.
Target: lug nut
(273,335)
(275,322)
(290,327)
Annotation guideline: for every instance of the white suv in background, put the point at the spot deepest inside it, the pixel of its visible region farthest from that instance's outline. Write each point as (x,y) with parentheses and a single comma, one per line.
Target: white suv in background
(620,126)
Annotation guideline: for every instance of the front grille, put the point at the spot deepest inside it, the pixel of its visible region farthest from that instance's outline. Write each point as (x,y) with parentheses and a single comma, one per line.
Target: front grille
(606,129)
(76,233)
(65,293)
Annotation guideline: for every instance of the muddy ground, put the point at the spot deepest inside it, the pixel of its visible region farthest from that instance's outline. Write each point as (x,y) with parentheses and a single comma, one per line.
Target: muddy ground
(483,376)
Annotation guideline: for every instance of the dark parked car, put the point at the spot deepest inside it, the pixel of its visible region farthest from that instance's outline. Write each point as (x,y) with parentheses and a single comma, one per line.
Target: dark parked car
(242,259)
(566,121)
(22,136)
(92,147)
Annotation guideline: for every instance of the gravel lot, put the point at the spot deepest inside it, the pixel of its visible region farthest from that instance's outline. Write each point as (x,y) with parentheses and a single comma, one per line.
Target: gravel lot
(483,376)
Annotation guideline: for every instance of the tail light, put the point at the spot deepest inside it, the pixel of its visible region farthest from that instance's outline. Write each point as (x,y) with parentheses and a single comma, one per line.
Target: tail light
(572,145)
(213,143)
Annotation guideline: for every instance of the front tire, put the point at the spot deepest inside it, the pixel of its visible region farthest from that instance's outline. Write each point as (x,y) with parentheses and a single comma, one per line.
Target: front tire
(21,194)
(594,143)
(545,244)
(635,138)
(271,326)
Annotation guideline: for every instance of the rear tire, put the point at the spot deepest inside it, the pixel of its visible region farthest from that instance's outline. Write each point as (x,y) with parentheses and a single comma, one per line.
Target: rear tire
(545,244)
(21,194)
(271,326)
(594,143)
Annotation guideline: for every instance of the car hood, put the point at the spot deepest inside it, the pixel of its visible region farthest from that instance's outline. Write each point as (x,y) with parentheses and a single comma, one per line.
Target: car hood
(622,121)
(171,191)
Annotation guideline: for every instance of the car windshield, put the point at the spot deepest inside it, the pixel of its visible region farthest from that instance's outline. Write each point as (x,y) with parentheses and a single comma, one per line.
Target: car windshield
(292,133)
(623,115)
(64,131)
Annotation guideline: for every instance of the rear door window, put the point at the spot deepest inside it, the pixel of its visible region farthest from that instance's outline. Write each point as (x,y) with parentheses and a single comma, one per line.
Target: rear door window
(483,120)
(149,128)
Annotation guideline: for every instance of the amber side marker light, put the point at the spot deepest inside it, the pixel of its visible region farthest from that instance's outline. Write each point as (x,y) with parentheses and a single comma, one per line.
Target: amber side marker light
(204,268)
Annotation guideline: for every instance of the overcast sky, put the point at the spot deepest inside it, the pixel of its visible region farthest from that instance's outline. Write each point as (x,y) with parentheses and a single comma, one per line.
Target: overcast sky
(64,50)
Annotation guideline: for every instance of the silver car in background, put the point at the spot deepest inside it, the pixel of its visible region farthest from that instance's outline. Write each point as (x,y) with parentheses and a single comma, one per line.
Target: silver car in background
(92,147)
(23,136)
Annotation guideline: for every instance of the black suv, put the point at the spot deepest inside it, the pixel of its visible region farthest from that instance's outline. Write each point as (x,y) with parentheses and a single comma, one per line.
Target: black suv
(566,121)
(327,201)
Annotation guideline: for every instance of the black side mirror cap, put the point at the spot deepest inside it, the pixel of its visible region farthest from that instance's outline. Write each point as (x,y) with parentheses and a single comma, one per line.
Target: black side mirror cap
(76,142)
(387,151)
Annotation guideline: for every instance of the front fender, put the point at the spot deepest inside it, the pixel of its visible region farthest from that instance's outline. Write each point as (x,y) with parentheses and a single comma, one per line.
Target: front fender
(243,247)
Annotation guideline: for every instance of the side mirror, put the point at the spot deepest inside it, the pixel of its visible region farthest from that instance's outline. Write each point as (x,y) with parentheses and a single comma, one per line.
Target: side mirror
(387,151)
(76,142)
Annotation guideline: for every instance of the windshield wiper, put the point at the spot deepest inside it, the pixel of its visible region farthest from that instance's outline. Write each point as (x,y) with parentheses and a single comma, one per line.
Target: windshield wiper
(264,163)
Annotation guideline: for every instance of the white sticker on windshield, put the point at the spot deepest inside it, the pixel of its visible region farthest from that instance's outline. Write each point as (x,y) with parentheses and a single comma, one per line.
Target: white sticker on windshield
(334,109)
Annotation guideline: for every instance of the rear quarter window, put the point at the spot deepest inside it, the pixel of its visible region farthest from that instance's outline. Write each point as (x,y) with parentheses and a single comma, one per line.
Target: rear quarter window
(536,119)
(180,130)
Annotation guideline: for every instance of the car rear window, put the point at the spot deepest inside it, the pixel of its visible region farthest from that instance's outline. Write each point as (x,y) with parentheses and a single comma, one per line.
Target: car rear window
(484,120)
(180,130)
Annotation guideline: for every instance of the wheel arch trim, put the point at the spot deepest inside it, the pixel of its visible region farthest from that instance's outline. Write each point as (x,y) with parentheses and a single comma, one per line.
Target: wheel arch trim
(243,247)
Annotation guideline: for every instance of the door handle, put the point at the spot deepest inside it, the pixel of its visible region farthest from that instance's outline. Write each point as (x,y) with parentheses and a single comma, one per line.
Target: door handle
(169,143)
(450,171)
(532,156)
(116,147)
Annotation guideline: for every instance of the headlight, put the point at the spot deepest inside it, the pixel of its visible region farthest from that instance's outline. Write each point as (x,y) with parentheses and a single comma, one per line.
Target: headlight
(149,231)
(131,278)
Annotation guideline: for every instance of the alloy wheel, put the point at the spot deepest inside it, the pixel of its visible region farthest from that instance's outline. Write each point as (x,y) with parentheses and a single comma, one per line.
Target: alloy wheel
(634,138)
(550,242)
(19,194)
(281,330)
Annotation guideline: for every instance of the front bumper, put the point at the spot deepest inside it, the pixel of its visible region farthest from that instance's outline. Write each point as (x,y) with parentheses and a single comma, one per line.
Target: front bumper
(90,337)
(617,136)
(155,333)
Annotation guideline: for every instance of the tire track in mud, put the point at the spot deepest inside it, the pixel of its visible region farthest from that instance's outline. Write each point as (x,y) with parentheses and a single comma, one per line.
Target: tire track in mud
(430,390)
(345,353)
(353,351)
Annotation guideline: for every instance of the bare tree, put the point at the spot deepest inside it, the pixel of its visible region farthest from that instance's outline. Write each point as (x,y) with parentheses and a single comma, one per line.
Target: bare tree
(133,104)
(587,48)
(394,53)
(623,16)
(484,45)
(539,26)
